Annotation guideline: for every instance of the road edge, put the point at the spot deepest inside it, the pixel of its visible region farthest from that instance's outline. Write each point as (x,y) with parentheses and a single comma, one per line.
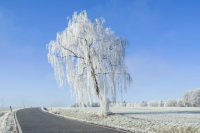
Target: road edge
(90,122)
(17,123)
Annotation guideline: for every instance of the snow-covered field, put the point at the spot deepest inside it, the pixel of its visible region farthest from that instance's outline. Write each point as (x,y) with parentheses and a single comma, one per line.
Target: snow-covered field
(7,109)
(7,122)
(140,119)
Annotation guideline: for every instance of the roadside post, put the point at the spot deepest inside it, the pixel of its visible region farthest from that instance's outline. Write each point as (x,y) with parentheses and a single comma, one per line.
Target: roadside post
(10,108)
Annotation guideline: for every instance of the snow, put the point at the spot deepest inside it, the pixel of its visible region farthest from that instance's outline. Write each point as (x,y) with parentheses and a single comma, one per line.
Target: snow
(7,121)
(140,119)
(7,109)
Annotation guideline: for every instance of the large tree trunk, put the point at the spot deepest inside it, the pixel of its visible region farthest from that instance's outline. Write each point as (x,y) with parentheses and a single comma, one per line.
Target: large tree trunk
(104,105)
(94,78)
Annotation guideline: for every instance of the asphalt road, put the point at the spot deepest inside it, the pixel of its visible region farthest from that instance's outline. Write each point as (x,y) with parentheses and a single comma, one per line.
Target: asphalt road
(33,120)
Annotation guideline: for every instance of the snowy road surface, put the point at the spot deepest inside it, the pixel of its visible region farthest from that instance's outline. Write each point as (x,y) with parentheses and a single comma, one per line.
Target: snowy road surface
(33,120)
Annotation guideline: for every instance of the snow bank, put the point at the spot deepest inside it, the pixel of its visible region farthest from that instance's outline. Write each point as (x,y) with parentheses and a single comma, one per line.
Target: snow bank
(149,119)
(7,121)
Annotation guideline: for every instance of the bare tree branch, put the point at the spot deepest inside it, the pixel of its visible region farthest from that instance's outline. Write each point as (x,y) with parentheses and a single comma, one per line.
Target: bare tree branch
(86,41)
(91,44)
(111,72)
(76,36)
(61,56)
(82,72)
(66,56)
(72,53)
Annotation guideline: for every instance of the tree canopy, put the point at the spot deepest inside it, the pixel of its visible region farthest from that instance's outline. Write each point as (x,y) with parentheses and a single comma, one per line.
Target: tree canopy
(91,58)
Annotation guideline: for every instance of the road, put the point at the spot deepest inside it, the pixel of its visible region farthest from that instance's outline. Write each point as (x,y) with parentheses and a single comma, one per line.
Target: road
(33,120)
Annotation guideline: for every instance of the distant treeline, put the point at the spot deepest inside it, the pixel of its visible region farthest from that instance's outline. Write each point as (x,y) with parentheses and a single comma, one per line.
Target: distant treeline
(189,99)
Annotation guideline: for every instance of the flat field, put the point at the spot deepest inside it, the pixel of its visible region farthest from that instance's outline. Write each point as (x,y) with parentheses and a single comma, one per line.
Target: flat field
(140,119)
(7,109)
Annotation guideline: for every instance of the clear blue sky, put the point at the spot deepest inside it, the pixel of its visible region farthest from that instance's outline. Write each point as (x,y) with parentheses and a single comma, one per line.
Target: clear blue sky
(163,56)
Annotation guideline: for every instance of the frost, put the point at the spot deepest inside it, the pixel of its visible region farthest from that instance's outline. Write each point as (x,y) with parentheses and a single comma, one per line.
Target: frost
(152,104)
(91,59)
(7,122)
(191,98)
(170,103)
(139,119)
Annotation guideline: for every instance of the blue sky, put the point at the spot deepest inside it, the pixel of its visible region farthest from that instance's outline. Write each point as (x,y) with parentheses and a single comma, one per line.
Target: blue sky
(163,56)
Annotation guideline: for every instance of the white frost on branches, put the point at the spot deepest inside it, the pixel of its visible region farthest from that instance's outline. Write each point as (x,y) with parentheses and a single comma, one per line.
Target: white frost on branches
(186,98)
(142,104)
(170,103)
(160,104)
(91,59)
(152,104)
(191,98)
(179,103)
(195,100)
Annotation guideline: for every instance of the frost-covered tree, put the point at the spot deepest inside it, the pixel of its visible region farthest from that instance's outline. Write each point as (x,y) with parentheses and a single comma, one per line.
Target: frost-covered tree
(120,104)
(187,98)
(95,104)
(170,103)
(152,104)
(195,98)
(91,58)
(160,104)
(142,104)
(129,104)
(135,104)
(179,103)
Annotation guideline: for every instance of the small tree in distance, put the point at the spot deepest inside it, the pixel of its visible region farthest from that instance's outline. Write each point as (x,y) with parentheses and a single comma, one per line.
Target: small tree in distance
(186,98)
(170,103)
(160,104)
(152,104)
(91,59)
